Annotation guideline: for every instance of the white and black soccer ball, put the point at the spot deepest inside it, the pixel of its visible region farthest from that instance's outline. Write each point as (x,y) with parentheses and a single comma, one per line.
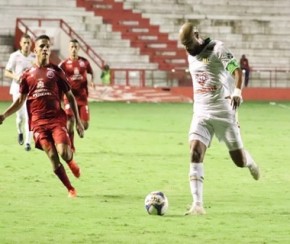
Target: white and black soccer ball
(156,203)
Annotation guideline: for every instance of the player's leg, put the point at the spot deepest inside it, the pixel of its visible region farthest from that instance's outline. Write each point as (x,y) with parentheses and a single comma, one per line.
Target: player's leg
(84,115)
(247,76)
(19,121)
(28,133)
(44,141)
(196,176)
(239,155)
(63,147)
(200,136)
(70,122)
(71,132)
(242,158)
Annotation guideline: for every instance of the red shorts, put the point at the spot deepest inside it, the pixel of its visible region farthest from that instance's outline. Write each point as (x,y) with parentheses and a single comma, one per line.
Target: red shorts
(83,112)
(46,136)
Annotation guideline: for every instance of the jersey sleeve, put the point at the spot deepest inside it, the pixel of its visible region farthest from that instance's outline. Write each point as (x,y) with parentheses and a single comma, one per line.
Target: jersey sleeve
(62,81)
(89,68)
(11,63)
(227,58)
(23,85)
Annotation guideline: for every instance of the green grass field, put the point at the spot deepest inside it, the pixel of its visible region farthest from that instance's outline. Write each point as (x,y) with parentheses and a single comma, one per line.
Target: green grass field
(132,149)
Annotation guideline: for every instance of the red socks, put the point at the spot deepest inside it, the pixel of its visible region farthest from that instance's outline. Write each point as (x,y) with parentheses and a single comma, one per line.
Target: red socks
(61,174)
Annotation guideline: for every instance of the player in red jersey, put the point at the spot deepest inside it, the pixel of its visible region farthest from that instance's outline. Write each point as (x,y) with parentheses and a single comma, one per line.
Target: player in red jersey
(43,86)
(77,69)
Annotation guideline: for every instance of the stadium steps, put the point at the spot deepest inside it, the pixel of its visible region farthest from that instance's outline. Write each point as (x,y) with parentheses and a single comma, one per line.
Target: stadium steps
(140,32)
(134,94)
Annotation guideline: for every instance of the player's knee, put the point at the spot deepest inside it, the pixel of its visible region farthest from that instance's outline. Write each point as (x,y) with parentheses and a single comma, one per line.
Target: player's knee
(238,158)
(65,152)
(239,161)
(195,156)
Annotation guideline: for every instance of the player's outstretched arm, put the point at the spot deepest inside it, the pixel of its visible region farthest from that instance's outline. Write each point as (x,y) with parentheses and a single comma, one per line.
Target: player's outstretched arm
(73,105)
(237,95)
(16,105)
(91,81)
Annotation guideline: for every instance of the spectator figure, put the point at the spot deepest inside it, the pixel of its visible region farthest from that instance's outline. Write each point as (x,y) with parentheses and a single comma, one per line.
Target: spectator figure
(245,67)
(106,75)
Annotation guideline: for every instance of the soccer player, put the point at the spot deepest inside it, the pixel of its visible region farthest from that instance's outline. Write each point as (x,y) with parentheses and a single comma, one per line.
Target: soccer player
(77,69)
(43,85)
(217,81)
(19,61)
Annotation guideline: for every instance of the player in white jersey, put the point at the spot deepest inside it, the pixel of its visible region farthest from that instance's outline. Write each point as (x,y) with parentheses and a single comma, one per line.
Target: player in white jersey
(217,81)
(19,61)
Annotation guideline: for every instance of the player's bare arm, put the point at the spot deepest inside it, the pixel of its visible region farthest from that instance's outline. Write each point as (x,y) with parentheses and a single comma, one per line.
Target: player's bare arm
(11,75)
(13,107)
(92,81)
(73,105)
(237,95)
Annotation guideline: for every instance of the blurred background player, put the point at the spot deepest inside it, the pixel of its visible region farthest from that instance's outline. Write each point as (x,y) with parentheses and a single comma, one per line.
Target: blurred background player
(217,95)
(19,61)
(244,64)
(106,75)
(77,69)
(43,86)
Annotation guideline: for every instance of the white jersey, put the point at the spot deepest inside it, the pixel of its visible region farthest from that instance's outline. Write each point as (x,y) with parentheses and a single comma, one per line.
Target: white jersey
(17,63)
(212,84)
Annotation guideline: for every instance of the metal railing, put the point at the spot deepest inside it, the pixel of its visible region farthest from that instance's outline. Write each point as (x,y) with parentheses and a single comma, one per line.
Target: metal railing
(23,27)
(259,77)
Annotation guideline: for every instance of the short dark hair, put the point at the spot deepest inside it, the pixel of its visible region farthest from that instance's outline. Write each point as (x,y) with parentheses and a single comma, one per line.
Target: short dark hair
(45,37)
(74,41)
(26,36)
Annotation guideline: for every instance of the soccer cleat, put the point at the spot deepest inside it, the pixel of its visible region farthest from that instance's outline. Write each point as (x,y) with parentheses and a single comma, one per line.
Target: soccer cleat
(255,171)
(27,147)
(72,193)
(75,169)
(195,210)
(20,139)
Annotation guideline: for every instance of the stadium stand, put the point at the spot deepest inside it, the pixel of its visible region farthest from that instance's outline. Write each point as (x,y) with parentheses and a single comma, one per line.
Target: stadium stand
(257,28)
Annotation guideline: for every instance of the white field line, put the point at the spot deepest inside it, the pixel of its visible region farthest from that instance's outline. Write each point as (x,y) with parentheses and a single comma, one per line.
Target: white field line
(279,105)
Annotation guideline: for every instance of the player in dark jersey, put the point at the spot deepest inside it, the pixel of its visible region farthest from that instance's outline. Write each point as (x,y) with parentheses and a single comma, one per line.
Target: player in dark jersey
(43,86)
(77,69)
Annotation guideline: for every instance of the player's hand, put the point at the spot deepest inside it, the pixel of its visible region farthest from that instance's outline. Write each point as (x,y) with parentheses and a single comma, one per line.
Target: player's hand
(80,129)
(235,102)
(93,85)
(236,98)
(2,118)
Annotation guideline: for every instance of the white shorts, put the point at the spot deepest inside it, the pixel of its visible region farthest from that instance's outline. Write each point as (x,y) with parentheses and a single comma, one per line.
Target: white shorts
(226,130)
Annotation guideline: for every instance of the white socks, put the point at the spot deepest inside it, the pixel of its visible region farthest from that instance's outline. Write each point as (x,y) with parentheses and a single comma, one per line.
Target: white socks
(19,125)
(28,135)
(196,182)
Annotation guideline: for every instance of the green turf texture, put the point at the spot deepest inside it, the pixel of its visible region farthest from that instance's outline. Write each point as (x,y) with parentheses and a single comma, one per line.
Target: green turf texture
(132,149)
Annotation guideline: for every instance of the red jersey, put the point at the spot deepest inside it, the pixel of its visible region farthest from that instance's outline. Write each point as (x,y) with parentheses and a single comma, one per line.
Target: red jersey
(76,72)
(45,87)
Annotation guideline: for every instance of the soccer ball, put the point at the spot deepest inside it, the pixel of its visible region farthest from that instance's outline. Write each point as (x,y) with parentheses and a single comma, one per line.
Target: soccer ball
(156,203)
